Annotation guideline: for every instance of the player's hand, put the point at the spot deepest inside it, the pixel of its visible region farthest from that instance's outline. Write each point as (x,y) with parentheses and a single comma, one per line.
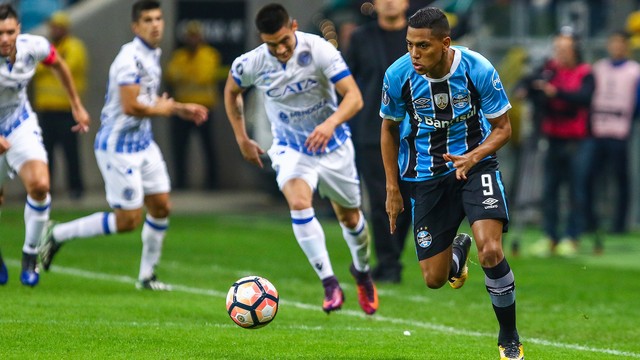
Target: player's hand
(82,118)
(4,145)
(196,113)
(462,164)
(320,136)
(394,206)
(251,152)
(165,105)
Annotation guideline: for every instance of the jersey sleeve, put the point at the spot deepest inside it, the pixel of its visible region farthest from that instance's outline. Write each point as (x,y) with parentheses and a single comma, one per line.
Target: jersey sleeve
(42,50)
(241,71)
(494,101)
(127,70)
(330,61)
(391,106)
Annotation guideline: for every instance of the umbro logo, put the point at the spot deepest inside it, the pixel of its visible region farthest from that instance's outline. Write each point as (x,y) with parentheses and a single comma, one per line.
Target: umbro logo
(490,203)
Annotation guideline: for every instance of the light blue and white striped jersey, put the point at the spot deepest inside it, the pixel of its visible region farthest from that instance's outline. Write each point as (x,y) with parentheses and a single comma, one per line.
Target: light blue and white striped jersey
(14,79)
(447,115)
(136,63)
(300,94)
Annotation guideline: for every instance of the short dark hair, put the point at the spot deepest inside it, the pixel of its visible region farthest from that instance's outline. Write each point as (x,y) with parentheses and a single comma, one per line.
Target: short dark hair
(431,18)
(621,33)
(272,18)
(8,12)
(143,5)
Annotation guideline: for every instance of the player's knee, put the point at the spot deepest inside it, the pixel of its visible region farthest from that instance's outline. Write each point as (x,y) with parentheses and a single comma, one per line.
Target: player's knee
(434,282)
(299,204)
(490,253)
(128,222)
(349,218)
(38,188)
(161,212)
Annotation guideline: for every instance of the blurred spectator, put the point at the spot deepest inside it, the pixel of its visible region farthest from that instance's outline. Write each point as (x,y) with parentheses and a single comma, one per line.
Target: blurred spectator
(615,102)
(193,74)
(563,89)
(52,105)
(375,46)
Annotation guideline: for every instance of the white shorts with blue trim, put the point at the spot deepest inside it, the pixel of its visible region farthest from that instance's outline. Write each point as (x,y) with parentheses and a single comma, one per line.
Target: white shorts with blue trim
(128,177)
(25,145)
(333,174)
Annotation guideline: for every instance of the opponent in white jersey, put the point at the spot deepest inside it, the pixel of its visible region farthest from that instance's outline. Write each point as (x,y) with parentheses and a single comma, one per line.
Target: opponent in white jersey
(21,148)
(131,163)
(298,74)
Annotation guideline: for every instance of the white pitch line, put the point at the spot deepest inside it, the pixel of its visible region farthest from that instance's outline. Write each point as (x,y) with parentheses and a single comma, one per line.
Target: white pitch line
(418,324)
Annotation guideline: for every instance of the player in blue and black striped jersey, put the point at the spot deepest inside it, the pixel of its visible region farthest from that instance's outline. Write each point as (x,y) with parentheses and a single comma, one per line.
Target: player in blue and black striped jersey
(445,116)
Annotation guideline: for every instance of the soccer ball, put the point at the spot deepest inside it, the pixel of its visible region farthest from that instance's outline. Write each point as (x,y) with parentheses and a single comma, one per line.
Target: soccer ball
(252,302)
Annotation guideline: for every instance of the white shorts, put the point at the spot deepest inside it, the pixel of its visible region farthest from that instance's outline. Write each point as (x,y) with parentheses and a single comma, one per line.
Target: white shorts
(333,174)
(26,145)
(128,177)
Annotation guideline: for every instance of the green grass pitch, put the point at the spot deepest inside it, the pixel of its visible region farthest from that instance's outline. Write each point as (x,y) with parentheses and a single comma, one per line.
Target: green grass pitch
(87,307)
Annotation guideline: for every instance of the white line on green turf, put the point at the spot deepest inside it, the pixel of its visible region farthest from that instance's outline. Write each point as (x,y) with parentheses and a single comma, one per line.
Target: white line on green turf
(377,317)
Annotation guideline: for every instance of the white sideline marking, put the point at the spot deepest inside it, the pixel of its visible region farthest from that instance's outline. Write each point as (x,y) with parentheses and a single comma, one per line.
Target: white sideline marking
(425,325)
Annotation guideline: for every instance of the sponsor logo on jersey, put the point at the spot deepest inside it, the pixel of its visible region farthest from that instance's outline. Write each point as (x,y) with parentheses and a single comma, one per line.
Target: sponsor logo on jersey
(423,238)
(283,117)
(440,124)
(293,88)
(460,100)
(304,59)
(301,115)
(239,69)
(422,103)
(495,80)
(442,100)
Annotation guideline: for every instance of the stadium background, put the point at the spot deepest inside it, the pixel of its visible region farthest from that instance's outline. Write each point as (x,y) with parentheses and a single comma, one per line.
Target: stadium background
(515,35)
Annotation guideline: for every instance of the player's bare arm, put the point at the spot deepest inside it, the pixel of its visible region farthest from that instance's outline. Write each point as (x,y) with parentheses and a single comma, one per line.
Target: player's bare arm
(132,107)
(234,107)
(500,135)
(4,145)
(195,113)
(389,145)
(349,106)
(80,114)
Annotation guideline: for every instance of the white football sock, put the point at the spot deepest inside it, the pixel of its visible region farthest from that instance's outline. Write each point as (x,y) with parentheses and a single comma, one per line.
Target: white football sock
(358,241)
(36,215)
(153,233)
(101,223)
(310,236)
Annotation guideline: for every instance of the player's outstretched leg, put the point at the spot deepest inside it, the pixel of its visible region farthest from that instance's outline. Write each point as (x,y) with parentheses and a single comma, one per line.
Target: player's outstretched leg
(512,350)
(48,247)
(333,295)
(367,292)
(461,246)
(30,273)
(4,274)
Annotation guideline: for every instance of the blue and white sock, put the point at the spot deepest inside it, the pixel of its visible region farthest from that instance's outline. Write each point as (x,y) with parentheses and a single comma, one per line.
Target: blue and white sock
(153,233)
(310,237)
(101,223)
(36,215)
(358,241)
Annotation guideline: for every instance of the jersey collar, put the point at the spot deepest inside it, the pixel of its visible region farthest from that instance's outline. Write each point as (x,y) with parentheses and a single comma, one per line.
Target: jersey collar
(457,56)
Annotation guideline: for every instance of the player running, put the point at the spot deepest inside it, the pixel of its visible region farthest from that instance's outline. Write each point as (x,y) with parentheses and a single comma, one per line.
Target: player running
(299,73)
(21,149)
(445,116)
